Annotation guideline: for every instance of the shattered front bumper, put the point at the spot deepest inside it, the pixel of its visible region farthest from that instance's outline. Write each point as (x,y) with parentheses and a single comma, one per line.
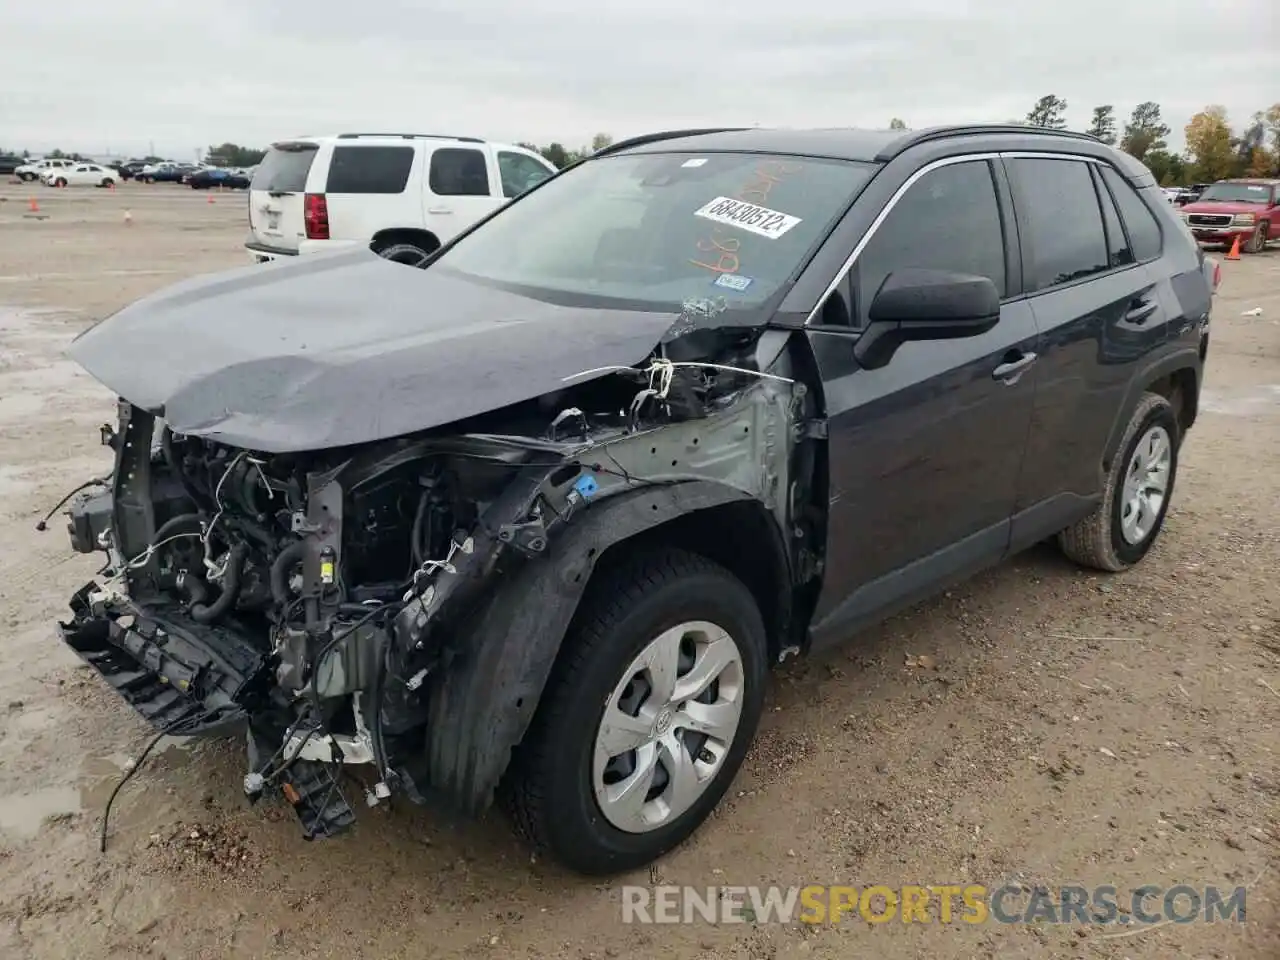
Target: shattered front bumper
(193,679)
(166,666)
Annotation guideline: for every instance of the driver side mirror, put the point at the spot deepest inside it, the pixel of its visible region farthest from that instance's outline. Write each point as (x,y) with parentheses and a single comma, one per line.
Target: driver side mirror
(918,304)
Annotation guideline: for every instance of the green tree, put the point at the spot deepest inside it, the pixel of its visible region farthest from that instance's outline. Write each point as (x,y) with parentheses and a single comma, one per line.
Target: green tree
(555,154)
(233,155)
(1169,169)
(1050,112)
(1145,131)
(897,124)
(1103,125)
(600,141)
(1209,145)
(1271,116)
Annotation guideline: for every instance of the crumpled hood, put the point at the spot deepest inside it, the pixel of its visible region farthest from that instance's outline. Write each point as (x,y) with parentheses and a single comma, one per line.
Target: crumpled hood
(332,350)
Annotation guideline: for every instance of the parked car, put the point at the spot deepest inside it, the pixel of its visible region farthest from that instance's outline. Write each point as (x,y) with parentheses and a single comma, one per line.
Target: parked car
(211,177)
(131,168)
(80,175)
(37,168)
(9,164)
(533,520)
(166,172)
(402,194)
(1178,196)
(1247,209)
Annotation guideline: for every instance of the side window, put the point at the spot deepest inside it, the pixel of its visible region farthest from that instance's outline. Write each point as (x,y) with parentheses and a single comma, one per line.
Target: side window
(1144,231)
(1119,253)
(949,219)
(369,169)
(1063,221)
(519,173)
(459,172)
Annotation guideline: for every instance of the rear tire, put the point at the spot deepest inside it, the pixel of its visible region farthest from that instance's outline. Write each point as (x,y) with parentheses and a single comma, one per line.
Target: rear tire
(661,601)
(1125,525)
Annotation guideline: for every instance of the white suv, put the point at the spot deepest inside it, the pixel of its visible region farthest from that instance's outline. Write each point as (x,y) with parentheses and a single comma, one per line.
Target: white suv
(403,195)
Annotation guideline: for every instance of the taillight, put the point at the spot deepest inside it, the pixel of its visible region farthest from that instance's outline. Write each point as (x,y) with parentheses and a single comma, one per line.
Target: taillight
(1217,274)
(316,215)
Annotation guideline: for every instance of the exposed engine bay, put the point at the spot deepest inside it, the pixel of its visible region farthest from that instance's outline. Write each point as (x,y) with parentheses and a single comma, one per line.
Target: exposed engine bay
(396,606)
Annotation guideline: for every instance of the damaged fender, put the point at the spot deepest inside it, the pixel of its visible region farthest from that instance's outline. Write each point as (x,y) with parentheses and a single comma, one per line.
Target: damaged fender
(482,704)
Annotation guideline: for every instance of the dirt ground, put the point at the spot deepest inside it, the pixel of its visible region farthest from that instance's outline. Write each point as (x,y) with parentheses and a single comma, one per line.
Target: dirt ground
(1062,727)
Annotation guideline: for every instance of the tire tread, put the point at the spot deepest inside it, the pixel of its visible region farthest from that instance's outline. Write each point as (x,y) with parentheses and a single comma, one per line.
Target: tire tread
(1088,541)
(608,603)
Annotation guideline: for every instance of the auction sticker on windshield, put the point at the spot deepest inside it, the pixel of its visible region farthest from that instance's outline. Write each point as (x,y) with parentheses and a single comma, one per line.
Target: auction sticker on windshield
(747,216)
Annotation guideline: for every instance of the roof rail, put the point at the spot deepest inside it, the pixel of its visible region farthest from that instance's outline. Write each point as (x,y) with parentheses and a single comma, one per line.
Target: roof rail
(915,137)
(411,136)
(648,138)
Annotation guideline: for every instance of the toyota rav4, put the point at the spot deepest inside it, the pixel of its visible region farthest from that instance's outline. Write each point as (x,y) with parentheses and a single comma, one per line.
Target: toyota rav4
(531,522)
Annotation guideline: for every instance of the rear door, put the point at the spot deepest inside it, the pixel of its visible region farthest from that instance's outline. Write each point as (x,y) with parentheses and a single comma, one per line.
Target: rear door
(461,187)
(366,189)
(276,196)
(1096,301)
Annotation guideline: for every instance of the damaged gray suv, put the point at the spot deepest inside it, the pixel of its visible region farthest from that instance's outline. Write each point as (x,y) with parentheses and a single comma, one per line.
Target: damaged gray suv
(532,521)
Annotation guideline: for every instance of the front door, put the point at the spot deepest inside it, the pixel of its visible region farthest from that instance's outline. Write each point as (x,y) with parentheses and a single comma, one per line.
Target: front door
(925,452)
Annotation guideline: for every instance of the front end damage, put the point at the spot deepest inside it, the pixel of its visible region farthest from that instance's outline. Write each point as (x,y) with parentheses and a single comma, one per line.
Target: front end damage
(397,606)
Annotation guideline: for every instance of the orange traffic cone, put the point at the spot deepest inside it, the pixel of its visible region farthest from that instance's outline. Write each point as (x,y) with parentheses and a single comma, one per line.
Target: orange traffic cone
(33,206)
(211,198)
(1234,254)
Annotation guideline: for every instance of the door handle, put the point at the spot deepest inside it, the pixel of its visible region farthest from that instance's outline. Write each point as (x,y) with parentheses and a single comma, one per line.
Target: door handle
(1140,309)
(1010,369)
(439,210)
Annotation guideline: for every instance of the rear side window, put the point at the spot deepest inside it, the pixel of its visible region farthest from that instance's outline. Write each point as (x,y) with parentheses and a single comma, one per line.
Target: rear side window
(1063,223)
(459,172)
(1118,250)
(947,220)
(369,169)
(1144,231)
(284,169)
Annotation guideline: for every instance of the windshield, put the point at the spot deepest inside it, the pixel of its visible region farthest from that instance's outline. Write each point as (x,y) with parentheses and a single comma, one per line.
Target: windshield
(1237,193)
(658,229)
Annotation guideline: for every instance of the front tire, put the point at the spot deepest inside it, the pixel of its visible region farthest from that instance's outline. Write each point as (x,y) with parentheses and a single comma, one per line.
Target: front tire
(647,716)
(1257,240)
(1125,525)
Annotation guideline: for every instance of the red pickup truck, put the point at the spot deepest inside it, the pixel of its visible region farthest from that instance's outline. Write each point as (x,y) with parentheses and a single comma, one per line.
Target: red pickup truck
(1247,209)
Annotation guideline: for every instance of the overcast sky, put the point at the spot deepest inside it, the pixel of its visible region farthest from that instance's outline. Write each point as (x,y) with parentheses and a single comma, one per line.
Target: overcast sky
(120,75)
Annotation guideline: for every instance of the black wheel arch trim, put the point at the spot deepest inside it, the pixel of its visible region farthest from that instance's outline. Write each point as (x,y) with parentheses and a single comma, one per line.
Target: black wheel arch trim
(482,703)
(1186,358)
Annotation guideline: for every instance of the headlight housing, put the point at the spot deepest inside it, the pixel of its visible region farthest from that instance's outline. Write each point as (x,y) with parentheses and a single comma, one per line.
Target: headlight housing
(1244,219)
